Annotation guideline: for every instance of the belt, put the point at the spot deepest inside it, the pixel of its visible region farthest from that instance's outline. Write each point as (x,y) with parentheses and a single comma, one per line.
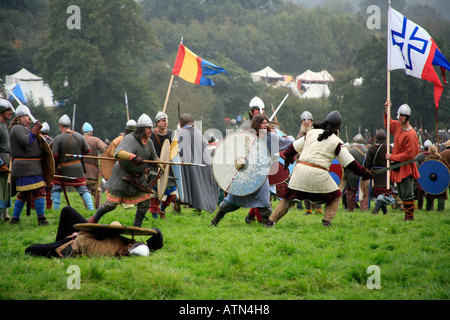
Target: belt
(27,159)
(68,163)
(312,165)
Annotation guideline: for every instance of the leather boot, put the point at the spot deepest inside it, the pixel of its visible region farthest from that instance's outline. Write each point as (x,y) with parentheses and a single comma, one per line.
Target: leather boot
(4,215)
(219,215)
(15,220)
(250,216)
(377,207)
(101,211)
(162,214)
(267,223)
(249,219)
(42,221)
(177,206)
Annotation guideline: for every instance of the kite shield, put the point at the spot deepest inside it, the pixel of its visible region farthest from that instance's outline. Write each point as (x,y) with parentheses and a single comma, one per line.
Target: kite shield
(48,162)
(241,163)
(434,176)
(106,167)
(162,181)
(176,168)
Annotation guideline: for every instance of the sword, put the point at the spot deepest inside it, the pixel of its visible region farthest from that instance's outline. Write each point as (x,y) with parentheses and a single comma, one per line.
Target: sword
(394,166)
(278,108)
(145,161)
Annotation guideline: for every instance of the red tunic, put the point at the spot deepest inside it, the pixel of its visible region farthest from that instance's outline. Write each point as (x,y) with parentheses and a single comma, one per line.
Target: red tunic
(406,147)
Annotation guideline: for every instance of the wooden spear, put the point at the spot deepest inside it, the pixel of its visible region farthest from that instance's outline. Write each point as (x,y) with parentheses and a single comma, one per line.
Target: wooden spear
(145,161)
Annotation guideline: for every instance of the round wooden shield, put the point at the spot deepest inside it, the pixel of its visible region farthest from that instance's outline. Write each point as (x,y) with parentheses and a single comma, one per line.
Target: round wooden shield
(48,162)
(164,178)
(176,168)
(278,173)
(106,166)
(114,229)
(434,176)
(241,163)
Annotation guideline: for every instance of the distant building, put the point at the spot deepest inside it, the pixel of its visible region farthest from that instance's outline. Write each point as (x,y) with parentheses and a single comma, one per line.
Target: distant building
(308,85)
(313,85)
(27,86)
(267,74)
(310,77)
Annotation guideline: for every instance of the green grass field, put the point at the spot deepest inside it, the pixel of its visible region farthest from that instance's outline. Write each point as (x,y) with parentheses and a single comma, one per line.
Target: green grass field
(297,259)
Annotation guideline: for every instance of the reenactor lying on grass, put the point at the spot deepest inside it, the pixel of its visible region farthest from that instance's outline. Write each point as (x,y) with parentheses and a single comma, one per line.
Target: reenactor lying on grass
(76,237)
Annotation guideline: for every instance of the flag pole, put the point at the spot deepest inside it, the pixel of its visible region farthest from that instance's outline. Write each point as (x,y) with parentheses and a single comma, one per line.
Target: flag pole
(73,117)
(170,86)
(126,105)
(388,112)
(168,93)
(437,130)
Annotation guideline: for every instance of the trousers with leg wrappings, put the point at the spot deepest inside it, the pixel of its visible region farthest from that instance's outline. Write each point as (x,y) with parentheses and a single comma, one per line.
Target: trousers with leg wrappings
(409,209)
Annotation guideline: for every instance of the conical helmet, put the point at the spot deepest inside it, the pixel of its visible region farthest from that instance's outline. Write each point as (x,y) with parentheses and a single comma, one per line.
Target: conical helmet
(334,118)
(64,120)
(144,121)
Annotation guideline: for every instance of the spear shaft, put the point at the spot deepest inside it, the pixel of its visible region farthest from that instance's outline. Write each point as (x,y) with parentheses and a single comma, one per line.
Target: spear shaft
(146,161)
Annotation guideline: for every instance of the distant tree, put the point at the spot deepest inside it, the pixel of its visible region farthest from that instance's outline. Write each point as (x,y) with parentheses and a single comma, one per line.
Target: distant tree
(95,65)
(22,33)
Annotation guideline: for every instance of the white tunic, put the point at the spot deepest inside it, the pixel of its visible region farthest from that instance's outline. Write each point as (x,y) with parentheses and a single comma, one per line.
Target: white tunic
(318,153)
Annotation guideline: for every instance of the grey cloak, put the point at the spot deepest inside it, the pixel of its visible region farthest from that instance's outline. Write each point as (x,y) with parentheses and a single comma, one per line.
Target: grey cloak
(200,188)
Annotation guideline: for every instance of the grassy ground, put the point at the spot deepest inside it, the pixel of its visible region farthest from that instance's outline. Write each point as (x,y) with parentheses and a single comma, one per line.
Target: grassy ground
(295,260)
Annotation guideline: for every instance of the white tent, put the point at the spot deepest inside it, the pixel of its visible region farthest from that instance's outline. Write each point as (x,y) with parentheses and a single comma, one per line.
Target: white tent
(327,76)
(313,77)
(268,73)
(289,85)
(315,91)
(27,85)
(22,74)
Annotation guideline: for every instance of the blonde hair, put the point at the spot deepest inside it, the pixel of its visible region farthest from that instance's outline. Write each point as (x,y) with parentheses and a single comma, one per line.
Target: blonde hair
(433,149)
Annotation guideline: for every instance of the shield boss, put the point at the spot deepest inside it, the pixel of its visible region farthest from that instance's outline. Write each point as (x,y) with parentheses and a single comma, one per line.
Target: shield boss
(434,176)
